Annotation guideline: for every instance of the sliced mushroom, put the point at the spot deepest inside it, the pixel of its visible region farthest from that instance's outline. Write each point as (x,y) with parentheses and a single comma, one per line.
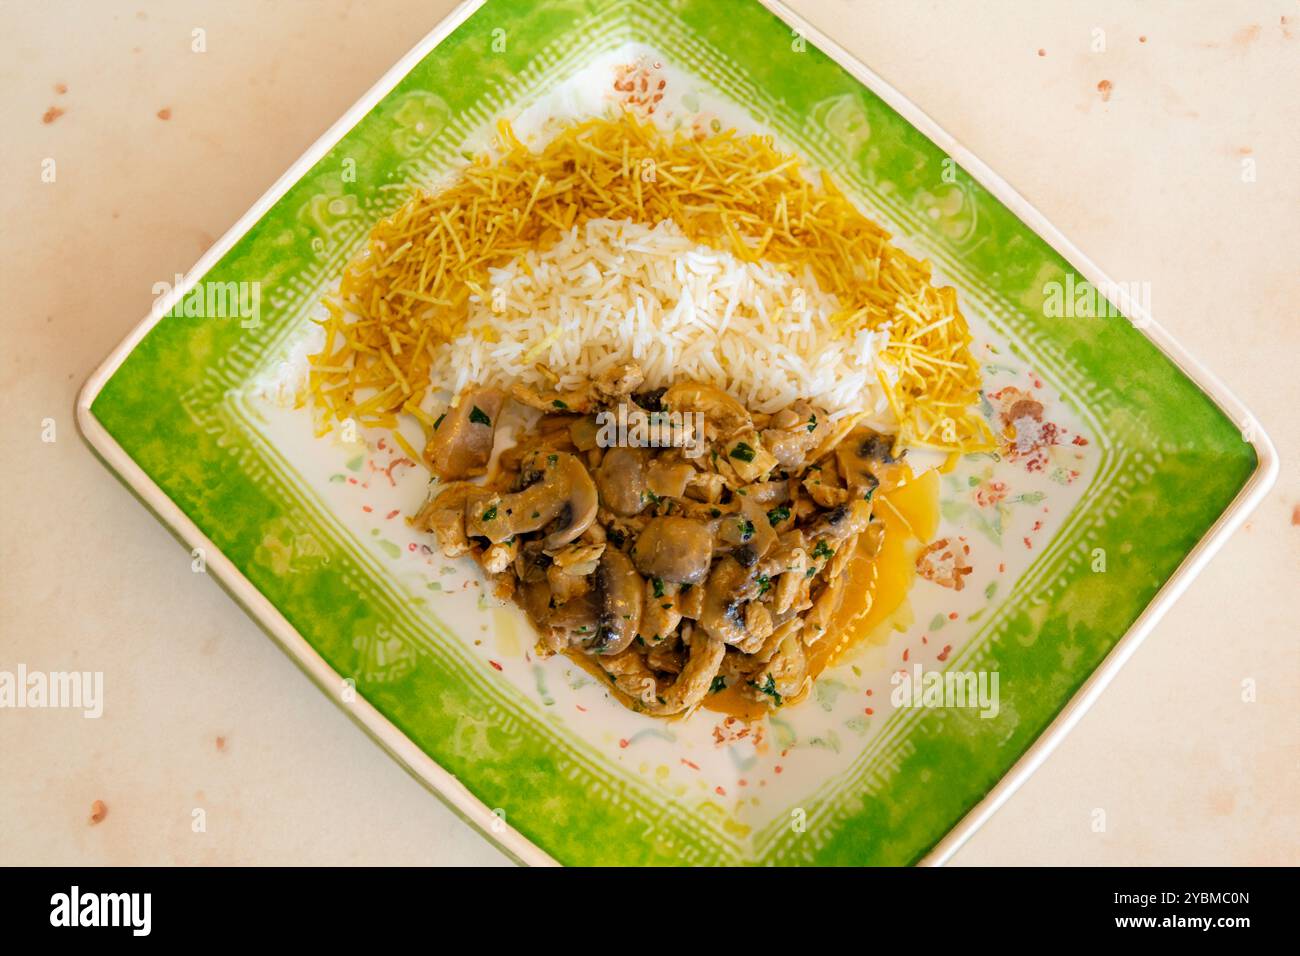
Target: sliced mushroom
(563,500)
(842,520)
(583,433)
(674,549)
(866,461)
(723,613)
(579,509)
(734,529)
(461,445)
(620,595)
(651,401)
(621,481)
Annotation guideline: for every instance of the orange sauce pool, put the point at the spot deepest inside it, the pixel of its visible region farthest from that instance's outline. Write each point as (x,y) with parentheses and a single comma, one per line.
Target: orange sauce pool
(875,589)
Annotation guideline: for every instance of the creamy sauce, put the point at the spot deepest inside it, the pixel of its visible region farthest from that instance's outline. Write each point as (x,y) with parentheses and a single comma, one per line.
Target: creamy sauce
(875,589)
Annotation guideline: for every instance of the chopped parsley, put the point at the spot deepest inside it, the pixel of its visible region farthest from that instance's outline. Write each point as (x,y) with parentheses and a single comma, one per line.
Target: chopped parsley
(746,529)
(777,515)
(823,550)
(719,683)
(559,404)
(764,584)
(438,421)
(659,588)
(768,687)
(812,423)
(490,514)
(479,417)
(879,449)
(743,451)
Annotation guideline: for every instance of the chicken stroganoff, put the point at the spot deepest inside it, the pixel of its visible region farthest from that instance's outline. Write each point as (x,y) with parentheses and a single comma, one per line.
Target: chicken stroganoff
(710,555)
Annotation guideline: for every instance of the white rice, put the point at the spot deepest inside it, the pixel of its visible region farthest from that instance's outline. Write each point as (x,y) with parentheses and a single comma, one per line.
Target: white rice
(610,291)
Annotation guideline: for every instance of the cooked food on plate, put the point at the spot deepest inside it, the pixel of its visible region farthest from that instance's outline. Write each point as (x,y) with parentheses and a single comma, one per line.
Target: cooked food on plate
(666,384)
(712,555)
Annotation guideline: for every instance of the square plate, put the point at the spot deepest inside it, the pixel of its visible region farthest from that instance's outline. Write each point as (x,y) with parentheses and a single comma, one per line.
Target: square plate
(1073,545)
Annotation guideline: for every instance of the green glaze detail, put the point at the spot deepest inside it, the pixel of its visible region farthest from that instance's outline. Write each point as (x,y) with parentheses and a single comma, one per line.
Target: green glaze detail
(1177,460)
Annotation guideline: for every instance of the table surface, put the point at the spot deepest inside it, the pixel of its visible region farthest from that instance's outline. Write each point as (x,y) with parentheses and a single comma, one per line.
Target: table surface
(160,149)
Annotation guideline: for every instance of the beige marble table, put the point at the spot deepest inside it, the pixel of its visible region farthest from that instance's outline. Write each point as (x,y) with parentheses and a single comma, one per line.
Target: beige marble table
(159,149)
